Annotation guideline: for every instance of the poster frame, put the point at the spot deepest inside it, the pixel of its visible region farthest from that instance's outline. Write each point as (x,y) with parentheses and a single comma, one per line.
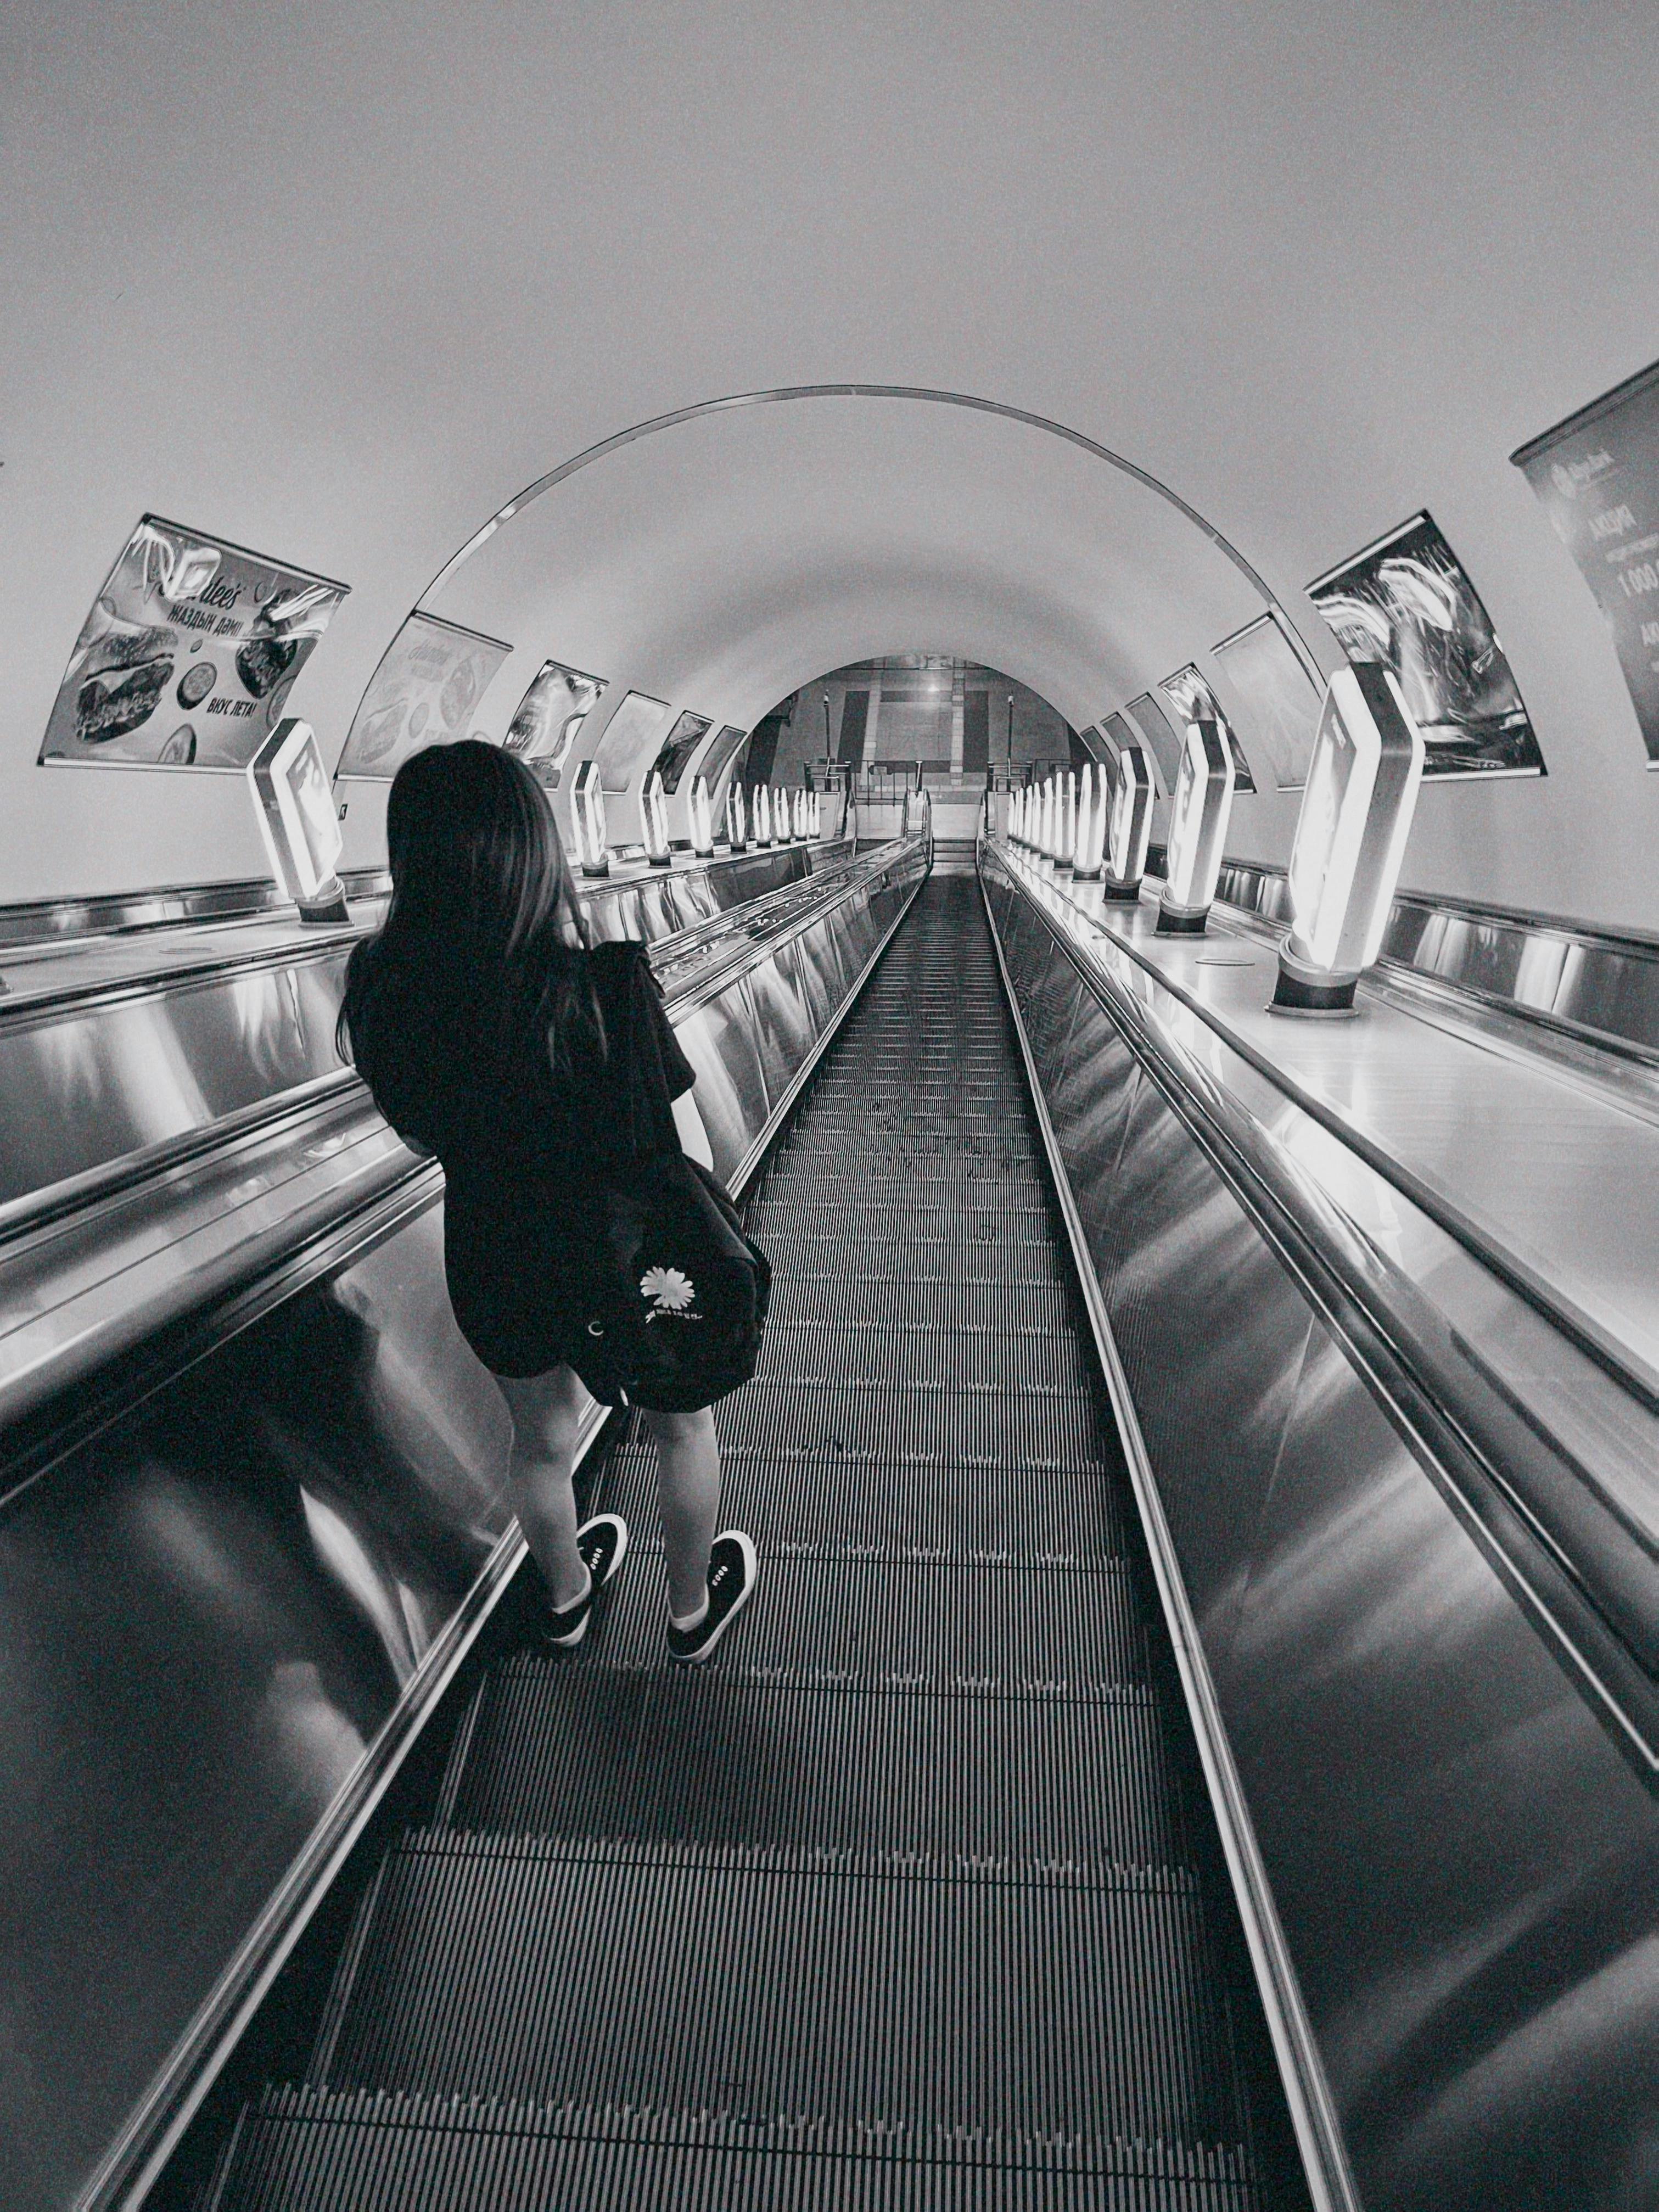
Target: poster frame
(1432,774)
(75,763)
(1534,449)
(344,775)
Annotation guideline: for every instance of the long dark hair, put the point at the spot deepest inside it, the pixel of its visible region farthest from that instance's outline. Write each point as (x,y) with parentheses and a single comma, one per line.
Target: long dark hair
(476,954)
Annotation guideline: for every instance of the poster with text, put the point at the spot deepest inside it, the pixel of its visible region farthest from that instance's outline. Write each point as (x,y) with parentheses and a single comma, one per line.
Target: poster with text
(1279,698)
(188,654)
(545,726)
(1189,693)
(1407,603)
(1597,476)
(425,691)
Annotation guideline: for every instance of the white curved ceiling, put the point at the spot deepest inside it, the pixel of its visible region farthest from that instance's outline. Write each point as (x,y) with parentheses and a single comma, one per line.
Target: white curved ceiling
(335,282)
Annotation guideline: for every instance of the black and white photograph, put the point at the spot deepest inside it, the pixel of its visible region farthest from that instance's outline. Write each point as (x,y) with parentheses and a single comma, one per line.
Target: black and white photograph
(829,1255)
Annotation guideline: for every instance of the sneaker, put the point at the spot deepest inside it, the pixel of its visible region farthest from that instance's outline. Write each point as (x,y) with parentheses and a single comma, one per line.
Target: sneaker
(603,1543)
(731,1586)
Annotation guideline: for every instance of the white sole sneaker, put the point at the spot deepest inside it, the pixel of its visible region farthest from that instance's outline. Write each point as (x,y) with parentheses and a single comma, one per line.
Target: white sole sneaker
(733,1568)
(603,1543)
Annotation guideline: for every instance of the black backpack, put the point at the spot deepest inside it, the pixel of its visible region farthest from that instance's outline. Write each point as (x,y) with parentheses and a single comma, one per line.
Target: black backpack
(674,1294)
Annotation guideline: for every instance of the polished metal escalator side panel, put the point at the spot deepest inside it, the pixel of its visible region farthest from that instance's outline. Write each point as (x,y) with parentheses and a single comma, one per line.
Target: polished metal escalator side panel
(116,1054)
(225,1614)
(1457,1838)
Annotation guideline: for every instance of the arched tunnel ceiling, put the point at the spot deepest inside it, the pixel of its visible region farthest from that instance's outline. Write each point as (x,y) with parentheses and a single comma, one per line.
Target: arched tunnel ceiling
(335,281)
(729,558)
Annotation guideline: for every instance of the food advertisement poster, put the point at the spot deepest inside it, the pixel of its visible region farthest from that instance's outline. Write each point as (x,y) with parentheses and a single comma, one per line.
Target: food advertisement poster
(1189,693)
(1278,695)
(1597,477)
(545,726)
(188,654)
(424,692)
(1407,603)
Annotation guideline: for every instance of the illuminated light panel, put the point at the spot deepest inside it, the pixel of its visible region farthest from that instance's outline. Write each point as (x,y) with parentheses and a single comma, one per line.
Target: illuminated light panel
(1362,782)
(1198,830)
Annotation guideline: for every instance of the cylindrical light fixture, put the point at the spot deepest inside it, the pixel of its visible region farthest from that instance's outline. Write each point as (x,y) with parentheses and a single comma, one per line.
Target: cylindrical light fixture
(1129,826)
(1014,810)
(1068,848)
(654,812)
(1362,782)
(737,819)
(587,805)
(701,819)
(1198,830)
(798,811)
(761,814)
(1089,856)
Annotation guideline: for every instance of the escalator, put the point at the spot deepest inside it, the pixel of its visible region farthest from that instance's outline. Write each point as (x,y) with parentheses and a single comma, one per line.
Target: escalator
(912,1897)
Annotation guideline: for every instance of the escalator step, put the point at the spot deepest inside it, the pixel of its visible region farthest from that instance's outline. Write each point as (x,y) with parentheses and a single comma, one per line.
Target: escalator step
(777,1214)
(963,1419)
(905,1257)
(881,1501)
(709,1758)
(959,1300)
(311,2150)
(810,1352)
(870,1988)
(823,1617)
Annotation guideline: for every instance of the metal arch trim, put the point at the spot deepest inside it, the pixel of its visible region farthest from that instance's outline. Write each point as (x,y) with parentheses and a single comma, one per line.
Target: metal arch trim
(970,402)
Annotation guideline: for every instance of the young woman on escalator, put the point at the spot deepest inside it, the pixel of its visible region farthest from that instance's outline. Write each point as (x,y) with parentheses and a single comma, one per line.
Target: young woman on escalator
(492,1035)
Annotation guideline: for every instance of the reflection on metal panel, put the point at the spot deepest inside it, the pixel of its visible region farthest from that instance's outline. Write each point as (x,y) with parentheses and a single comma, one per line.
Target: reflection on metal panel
(1457,1829)
(1600,985)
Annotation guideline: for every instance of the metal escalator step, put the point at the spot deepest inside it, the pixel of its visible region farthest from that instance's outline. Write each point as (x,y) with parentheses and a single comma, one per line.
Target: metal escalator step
(708,1758)
(887,1617)
(808,1352)
(320,2150)
(962,1418)
(779,1214)
(828,1297)
(881,1501)
(912,1257)
(875,1987)
(929,1186)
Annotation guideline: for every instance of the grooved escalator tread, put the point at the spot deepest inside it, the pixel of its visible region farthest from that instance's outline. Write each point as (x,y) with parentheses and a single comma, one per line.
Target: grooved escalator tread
(870,1986)
(317,2150)
(1001,1771)
(889,1615)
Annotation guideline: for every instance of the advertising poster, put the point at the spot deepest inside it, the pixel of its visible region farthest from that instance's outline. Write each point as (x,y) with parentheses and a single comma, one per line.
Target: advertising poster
(1189,693)
(1597,477)
(1407,603)
(424,692)
(556,704)
(188,654)
(1279,697)
(633,731)
(682,741)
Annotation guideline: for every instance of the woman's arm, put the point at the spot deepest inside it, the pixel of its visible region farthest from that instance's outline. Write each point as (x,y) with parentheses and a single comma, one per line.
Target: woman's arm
(694,1138)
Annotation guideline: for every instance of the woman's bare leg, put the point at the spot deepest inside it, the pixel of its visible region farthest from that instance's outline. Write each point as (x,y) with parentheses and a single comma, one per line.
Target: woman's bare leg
(547,1410)
(689,1493)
